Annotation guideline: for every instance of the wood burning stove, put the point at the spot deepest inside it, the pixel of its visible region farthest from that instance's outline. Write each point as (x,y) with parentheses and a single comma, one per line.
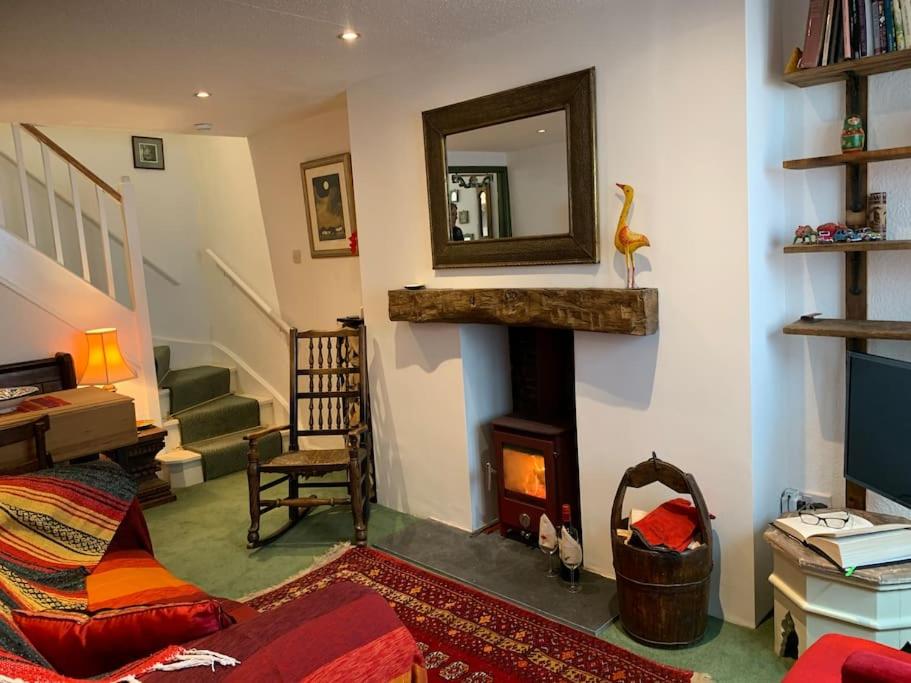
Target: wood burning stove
(535,447)
(537,472)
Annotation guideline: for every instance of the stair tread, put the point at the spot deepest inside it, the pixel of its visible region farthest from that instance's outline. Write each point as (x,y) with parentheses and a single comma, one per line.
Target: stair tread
(220,416)
(227,453)
(196,385)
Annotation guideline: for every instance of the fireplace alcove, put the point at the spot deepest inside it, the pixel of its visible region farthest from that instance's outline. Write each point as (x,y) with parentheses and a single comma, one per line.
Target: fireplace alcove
(531,451)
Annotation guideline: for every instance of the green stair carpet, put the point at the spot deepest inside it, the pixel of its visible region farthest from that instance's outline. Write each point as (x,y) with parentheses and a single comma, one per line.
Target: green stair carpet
(213,421)
(192,386)
(228,453)
(162,362)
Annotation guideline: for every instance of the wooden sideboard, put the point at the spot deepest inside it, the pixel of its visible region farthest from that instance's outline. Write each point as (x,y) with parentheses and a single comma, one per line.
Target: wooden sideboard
(89,421)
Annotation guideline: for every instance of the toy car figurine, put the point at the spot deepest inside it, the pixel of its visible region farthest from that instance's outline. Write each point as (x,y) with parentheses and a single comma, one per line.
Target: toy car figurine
(844,234)
(869,235)
(825,233)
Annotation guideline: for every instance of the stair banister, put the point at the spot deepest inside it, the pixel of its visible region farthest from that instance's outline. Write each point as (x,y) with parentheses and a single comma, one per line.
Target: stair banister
(251,294)
(23,185)
(137,283)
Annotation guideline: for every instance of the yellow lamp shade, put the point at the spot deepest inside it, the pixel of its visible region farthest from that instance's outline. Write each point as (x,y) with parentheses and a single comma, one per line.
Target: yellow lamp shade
(105,363)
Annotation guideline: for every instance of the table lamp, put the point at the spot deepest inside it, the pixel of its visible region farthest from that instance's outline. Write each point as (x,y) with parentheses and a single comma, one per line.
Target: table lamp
(105,363)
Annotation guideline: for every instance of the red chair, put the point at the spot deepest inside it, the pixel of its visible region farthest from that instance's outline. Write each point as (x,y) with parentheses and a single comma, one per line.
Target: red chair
(842,659)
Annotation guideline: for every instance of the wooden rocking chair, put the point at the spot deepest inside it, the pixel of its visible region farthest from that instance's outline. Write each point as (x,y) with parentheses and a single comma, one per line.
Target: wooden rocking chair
(334,394)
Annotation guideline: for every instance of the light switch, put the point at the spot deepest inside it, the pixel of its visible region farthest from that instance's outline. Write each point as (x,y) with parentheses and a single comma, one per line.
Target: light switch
(296,256)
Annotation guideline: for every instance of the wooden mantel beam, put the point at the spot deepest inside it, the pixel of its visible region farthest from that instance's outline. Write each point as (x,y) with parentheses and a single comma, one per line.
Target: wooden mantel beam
(618,311)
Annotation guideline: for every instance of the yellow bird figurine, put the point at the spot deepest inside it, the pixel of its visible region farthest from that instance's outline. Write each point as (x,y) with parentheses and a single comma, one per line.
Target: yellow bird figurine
(627,241)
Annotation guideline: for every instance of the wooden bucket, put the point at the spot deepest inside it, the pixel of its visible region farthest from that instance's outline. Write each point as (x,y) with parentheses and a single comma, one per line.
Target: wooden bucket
(663,596)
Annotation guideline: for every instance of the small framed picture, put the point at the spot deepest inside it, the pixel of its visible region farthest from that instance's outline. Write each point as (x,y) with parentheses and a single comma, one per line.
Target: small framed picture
(329,203)
(148,153)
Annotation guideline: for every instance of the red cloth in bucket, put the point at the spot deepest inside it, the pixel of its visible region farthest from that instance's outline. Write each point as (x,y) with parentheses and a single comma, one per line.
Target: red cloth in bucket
(671,524)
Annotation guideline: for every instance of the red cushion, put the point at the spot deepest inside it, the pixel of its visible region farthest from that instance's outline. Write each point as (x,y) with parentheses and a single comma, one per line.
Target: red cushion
(876,667)
(822,662)
(80,646)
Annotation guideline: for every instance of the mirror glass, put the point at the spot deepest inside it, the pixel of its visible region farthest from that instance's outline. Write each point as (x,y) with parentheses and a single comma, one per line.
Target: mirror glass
(509,180)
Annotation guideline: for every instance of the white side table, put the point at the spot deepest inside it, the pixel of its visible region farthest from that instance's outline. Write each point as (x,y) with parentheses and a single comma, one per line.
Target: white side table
(813,597)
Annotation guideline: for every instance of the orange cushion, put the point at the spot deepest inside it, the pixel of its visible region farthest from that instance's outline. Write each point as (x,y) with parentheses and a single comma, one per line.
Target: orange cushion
(81,646)
(127,578)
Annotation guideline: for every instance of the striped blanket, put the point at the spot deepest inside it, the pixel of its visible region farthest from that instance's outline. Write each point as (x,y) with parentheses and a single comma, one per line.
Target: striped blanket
(55,526)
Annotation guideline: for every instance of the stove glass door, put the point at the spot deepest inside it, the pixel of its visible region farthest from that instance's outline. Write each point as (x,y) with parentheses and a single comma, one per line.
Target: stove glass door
(524,471)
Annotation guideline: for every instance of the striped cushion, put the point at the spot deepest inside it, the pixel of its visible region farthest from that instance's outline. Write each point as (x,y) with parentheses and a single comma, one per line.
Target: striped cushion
(126,578)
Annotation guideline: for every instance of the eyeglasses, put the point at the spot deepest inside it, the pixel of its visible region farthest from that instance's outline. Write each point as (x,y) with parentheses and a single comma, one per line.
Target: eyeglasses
(833,520)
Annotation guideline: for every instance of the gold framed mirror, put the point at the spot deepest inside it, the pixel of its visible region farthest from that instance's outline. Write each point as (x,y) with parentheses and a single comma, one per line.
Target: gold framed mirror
(511,177)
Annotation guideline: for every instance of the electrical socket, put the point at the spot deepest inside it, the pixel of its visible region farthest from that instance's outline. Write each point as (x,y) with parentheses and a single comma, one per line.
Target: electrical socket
(795,499)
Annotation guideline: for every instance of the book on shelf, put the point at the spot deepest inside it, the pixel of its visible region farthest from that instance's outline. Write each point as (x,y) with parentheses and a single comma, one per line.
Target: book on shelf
(813,36)
(859,544)
(827,33)
(898,22)
(889,13)
(868,27)
(846,40)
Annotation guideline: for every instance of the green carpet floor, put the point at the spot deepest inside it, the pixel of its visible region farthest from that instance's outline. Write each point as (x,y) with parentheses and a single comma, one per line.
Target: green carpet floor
(202,538)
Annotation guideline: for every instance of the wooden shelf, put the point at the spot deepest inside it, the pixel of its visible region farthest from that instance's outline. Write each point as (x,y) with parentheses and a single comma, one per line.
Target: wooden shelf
(868,157)
(618,311)
(840,247)
(866,66)
(851,329)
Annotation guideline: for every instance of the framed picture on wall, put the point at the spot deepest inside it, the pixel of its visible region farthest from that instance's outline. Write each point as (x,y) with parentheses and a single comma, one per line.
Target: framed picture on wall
(148,153)
(329,202)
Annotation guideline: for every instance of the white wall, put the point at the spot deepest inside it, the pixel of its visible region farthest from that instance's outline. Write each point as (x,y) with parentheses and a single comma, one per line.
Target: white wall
(206,198)
(314,292)
(815,282)
(538,190)
(774,392)
(168,219)
(684,392)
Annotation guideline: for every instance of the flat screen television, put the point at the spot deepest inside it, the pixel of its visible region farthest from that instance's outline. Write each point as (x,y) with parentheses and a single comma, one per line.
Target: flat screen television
(878,425)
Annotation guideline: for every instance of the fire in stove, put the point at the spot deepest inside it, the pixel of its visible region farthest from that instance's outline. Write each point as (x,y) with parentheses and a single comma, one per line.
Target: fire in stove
(524,472)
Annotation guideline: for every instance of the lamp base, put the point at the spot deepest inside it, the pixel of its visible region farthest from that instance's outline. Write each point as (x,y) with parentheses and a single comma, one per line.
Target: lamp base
(109,387)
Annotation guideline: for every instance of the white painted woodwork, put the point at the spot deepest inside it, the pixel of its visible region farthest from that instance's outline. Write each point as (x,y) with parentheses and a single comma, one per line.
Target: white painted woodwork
(105,242)
(80,224)
(820,604)
(138,295)
(52,202)
(23,185)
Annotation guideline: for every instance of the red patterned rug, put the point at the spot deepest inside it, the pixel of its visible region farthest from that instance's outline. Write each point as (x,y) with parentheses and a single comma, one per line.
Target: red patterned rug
(470,637)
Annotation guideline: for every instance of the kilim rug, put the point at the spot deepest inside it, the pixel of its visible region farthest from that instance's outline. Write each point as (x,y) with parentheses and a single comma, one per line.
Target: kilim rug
(469,637)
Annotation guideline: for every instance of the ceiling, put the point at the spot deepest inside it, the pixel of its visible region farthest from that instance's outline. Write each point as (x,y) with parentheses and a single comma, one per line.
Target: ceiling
(512,136)
(136,63)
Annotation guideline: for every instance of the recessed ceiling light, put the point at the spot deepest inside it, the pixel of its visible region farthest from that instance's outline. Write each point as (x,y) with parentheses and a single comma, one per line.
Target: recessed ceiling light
(202,126)
(349,36)
(542,130)
(202,94)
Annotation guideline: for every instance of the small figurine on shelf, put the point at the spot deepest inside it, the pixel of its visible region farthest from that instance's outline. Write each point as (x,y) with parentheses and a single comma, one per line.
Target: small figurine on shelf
(868,235)
(627,241)
(805,234)
(825,233)
(844,234)
(852,135)
(876,213)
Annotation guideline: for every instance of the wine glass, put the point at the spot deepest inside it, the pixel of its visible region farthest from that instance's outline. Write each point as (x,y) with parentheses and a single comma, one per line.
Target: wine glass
(550,552)
(571,557)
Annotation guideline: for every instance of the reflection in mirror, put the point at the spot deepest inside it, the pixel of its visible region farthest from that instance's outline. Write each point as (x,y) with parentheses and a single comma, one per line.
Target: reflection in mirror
(509,180)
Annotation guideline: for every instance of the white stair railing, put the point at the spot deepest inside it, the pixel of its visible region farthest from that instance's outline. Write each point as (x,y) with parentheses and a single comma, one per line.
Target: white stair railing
(103,197)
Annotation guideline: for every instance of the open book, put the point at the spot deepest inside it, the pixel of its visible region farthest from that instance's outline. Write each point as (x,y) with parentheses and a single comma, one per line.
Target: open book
(860,543)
